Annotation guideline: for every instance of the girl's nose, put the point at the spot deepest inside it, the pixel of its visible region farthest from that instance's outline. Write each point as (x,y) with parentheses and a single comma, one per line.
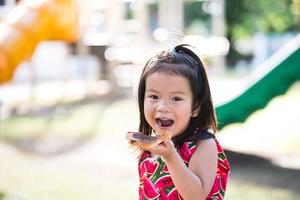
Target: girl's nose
(163,106)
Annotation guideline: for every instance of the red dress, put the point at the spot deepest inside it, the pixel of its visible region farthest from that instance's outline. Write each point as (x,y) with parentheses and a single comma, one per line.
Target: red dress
(156,182)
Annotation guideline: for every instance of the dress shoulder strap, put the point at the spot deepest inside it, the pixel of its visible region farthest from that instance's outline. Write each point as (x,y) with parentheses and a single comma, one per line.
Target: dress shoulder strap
(203,135)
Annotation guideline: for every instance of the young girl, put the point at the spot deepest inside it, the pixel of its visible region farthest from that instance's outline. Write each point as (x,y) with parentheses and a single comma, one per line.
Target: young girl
(174,96)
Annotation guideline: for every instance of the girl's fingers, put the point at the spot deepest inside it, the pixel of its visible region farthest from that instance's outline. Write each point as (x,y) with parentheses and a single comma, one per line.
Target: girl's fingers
(161,149)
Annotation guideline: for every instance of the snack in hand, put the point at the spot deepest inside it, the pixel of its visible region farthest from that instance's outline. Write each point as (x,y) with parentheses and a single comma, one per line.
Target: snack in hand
(141,140)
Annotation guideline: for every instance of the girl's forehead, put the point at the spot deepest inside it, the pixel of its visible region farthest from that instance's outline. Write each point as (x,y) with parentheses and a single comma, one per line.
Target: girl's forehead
(165,75)
(166,81)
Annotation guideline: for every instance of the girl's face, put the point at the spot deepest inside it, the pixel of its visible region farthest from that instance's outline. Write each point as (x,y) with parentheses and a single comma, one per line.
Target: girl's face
(168,102)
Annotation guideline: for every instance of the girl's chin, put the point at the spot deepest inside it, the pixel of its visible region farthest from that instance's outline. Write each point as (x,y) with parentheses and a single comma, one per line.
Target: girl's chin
(160,128)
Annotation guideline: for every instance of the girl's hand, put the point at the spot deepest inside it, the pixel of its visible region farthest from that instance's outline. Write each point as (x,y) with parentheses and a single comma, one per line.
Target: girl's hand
(164,149)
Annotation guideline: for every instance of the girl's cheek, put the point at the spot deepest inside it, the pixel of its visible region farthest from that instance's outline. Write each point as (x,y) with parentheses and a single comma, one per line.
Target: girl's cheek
(147,108)
(148,105)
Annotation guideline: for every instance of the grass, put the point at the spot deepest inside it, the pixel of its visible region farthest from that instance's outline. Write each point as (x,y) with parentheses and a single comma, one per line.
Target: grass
(65,182)
(76,175)
(102,166)
(60,120)
(242,190)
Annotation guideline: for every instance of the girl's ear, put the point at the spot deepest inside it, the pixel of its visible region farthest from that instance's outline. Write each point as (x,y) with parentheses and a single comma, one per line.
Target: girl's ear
(196,111)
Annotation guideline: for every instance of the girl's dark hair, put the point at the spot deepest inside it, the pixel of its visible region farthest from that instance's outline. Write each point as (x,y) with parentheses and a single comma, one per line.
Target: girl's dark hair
(181,60)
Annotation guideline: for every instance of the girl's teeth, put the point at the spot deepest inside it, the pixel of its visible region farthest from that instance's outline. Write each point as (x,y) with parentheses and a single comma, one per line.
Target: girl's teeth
(164,122)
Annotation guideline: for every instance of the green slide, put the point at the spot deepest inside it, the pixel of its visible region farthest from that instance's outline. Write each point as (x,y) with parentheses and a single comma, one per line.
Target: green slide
(271,79)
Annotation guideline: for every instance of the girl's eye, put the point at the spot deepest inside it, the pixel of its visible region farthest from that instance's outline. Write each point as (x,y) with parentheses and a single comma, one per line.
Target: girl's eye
(153,97)
(177,99)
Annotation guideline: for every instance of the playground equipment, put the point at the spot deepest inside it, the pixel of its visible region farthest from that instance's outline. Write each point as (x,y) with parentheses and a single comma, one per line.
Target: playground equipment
(272,79)
(31,23)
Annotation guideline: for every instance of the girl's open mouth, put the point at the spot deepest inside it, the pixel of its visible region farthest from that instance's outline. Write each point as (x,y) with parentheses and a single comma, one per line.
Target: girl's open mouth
(165,123)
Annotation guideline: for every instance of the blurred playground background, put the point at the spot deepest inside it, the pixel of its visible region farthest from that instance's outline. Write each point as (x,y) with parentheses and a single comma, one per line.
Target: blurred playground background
(68,72)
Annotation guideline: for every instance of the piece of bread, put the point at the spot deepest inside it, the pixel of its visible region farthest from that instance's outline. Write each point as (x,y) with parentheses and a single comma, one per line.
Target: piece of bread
(144,141)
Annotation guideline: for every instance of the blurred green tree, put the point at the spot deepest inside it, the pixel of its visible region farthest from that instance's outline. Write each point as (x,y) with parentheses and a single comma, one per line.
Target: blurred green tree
(244,18)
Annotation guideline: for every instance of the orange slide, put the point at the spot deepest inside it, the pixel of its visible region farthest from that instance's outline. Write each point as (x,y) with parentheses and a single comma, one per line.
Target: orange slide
(29,24)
